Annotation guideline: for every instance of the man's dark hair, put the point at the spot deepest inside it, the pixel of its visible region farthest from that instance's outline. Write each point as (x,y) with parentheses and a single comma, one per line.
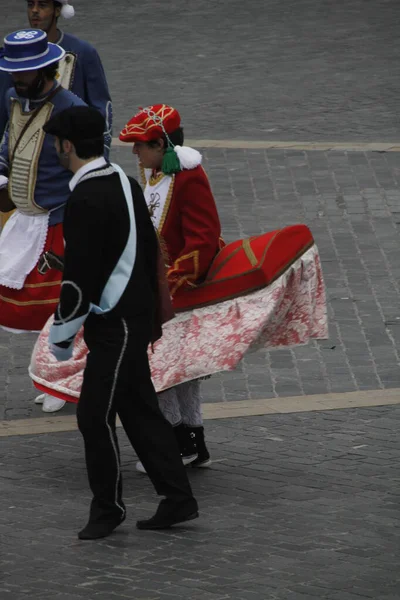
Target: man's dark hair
(50,71)
(57,4)
(176,138)
(83,126)
(88,148)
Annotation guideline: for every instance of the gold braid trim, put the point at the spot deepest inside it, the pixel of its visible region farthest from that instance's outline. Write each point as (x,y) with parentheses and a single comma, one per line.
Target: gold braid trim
(167,204)
(154,179)
(164,249)
(142,175)
(45,284)
(249,252)
(189,277)
(29,302)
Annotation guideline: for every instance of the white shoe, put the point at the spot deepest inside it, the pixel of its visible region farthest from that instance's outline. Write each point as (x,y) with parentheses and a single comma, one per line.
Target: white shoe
(185,459)
(40,399)
(52,404)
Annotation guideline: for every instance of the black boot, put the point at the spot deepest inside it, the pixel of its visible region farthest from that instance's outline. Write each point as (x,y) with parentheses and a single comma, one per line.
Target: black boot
(203,456)
(170,513)
(95,530)
(186,442)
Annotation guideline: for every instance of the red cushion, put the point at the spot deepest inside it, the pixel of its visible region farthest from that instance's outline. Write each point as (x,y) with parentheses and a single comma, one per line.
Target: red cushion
(247,265)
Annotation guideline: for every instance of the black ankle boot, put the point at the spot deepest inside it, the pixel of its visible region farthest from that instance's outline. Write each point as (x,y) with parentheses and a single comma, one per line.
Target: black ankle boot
(203,456)
(186,443)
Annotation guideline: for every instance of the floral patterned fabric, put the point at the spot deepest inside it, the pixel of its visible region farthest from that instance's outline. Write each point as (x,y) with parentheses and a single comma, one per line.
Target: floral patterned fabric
(208,340)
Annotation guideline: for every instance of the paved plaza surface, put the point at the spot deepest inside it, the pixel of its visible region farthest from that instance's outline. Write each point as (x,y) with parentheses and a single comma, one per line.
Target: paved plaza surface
(296,506)
(264,69)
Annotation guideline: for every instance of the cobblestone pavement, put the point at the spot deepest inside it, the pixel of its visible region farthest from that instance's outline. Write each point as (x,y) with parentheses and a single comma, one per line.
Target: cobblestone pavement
(295,507)
(265,69)
(351,201)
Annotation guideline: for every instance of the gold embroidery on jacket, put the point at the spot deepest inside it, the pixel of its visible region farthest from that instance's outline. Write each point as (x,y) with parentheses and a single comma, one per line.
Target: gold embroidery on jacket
(23,171)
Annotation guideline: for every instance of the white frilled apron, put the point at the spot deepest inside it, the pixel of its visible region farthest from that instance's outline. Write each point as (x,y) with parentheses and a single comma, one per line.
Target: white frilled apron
(22,242)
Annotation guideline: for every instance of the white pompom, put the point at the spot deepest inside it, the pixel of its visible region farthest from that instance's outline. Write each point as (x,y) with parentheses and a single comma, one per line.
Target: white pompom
(189,158)
(67,11)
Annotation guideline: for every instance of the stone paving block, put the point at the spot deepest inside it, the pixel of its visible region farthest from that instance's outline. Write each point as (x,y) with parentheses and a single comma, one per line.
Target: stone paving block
(311,515)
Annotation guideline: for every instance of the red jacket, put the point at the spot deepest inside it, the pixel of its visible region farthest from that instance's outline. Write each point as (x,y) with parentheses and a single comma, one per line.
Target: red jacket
(191,231)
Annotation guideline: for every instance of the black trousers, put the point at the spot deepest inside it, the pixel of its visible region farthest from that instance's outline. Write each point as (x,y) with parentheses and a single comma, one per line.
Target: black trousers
(117,381)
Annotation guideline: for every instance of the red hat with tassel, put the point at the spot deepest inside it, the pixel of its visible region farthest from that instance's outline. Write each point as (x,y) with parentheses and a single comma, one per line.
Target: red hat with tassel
(155,122)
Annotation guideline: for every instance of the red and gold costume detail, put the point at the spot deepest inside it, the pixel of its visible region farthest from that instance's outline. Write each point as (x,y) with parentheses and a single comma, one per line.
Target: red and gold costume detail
(28,309)
(181,205)
(38,186)
(184,213)
(145,127)
(188,224)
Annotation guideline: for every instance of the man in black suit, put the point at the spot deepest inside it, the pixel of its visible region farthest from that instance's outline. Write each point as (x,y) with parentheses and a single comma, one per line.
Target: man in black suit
(111,287)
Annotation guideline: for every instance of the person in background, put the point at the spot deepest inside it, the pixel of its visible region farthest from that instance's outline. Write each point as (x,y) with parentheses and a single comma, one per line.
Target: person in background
(80,70)
(32,181)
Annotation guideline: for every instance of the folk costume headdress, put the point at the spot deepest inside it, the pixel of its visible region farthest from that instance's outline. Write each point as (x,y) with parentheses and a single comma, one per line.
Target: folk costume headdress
(28,50)
(157,121)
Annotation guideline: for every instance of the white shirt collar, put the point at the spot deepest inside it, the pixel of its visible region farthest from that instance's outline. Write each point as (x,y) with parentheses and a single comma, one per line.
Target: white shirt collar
(93,165)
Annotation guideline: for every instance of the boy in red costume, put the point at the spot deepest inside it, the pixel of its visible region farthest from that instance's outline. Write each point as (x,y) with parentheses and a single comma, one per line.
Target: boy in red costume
(184,213)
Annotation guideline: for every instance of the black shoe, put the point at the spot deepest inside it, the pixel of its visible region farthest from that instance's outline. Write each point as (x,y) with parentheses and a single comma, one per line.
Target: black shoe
(186,443)
(99,529)
(203,456)
(170,513)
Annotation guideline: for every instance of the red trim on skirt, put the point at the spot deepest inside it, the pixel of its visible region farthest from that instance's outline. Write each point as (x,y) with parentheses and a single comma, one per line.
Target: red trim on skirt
(55,394)
(30,307)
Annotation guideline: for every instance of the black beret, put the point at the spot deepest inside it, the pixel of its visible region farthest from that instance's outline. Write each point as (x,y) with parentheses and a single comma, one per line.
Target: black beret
(77,124)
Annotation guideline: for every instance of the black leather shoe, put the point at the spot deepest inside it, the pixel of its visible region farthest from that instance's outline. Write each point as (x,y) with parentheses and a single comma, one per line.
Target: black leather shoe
(100,529)
(171,513)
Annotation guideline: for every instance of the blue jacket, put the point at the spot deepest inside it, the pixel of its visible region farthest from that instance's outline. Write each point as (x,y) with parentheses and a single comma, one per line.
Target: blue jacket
(89,83)
(51,189)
